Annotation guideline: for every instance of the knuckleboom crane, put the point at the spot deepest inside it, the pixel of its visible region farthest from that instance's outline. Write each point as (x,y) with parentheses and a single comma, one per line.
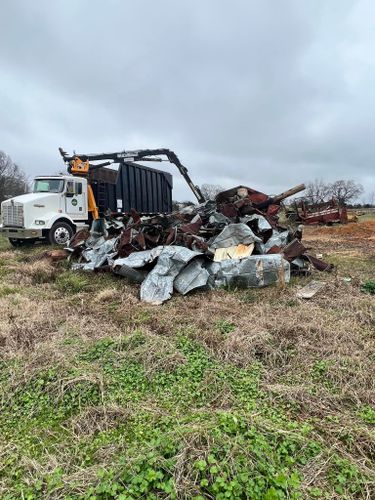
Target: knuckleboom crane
(82,168)
(80,165)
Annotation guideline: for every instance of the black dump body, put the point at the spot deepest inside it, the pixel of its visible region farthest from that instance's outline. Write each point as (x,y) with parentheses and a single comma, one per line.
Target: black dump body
(145,189)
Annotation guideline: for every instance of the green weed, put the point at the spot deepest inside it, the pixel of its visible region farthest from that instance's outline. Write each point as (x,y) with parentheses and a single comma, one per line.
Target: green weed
(367,414)
(7,290)
(161,414)
(223,326)
(71,282)
(369,287)
(345,477)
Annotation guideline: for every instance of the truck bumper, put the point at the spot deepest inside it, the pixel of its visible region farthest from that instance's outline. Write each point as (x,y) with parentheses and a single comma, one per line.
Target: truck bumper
(19,233)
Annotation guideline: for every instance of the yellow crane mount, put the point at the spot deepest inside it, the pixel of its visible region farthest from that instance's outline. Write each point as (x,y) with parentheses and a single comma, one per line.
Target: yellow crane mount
(82,169)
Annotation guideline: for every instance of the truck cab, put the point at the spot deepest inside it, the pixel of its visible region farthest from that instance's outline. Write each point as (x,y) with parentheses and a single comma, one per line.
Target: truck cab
(59,205)
(55,209)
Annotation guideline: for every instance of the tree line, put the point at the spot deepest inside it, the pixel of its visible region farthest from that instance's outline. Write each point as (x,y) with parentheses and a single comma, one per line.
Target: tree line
(13,181)
(344,191)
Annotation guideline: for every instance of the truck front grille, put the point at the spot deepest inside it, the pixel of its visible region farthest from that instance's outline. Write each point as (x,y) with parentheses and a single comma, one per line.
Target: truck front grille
(12,214)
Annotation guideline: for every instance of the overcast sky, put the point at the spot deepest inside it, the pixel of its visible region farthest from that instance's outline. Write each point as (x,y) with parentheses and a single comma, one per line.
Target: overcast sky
(266,93)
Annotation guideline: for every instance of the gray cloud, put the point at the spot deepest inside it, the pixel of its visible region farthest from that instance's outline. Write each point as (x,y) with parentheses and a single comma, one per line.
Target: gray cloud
(267,93)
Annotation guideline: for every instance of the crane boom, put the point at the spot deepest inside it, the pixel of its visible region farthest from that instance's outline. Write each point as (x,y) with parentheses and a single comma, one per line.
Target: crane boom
(133,156)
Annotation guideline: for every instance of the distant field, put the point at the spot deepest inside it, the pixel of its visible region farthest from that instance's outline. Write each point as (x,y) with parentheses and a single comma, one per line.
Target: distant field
(369,214)
(227,394)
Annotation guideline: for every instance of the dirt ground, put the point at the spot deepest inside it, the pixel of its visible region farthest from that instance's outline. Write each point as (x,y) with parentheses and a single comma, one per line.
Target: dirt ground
(354,239)
(226,394)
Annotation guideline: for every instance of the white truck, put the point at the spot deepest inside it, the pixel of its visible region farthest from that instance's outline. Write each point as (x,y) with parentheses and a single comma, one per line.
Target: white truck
(55,209)
(59,205)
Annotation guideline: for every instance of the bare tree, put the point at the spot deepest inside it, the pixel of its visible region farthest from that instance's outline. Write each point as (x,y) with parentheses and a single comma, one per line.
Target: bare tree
(179,205)
(13,180)
(209,191)
(317,191)
(345,191)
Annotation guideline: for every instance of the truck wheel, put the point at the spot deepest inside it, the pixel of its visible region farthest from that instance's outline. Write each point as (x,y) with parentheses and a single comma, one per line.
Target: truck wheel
(60,233)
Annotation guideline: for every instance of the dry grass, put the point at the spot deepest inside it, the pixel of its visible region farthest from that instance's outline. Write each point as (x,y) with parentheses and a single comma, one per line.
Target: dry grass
(316,357)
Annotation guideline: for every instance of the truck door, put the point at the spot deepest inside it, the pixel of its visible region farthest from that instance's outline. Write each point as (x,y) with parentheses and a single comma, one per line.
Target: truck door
(75,199)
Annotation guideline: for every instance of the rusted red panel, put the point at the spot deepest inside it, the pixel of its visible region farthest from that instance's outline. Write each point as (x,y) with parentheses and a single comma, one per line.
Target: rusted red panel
(241,192)
(140,239)
(192,228)
(228,209)
(274,249)
(294,249)
(124,246)
(257,198)
(319,264)
(152,238)
(79,237)
(273,210)
(328,212)
(135,216)
(171,237)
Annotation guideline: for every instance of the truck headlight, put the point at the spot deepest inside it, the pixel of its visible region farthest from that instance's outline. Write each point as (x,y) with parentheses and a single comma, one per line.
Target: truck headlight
(40,222)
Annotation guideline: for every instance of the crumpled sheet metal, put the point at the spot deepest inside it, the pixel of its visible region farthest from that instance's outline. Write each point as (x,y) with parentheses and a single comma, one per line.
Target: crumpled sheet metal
(252,272)
(262,222)
(233,235)
(128,267)
(218,219)
(98,255)
(300,263)
(158,285)
(130,273)
(193,276)
(237,240)
(185,270)
(139,259)
(278,239)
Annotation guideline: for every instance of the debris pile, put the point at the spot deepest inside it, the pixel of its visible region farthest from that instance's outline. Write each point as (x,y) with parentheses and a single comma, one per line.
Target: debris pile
(242,239)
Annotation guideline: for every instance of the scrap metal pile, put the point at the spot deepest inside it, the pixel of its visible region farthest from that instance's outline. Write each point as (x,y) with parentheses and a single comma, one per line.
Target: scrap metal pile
(239,240)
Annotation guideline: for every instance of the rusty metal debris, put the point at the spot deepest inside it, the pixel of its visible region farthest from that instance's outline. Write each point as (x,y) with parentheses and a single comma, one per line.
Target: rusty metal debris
(55,255)
(238,240)
(325,212)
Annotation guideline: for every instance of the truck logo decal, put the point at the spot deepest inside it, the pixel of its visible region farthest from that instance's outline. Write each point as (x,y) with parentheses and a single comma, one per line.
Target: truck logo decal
(74,202)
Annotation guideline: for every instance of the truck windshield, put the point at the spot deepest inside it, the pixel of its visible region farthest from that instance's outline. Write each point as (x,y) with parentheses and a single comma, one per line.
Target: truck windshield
(48,186)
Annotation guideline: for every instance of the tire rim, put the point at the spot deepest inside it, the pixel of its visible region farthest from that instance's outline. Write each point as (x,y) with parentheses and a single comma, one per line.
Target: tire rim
(61,235)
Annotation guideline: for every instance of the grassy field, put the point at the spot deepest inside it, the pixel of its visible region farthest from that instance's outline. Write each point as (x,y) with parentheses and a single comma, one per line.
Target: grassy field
(228,394)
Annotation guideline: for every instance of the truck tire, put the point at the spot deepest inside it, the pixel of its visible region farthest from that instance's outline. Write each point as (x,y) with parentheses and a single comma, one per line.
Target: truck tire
(60,233)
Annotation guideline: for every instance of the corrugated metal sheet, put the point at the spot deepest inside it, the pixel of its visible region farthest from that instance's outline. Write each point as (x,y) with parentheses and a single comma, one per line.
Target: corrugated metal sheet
(145,189)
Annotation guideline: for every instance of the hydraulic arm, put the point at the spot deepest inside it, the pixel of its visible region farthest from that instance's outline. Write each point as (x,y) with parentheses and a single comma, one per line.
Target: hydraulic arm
(79,164)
